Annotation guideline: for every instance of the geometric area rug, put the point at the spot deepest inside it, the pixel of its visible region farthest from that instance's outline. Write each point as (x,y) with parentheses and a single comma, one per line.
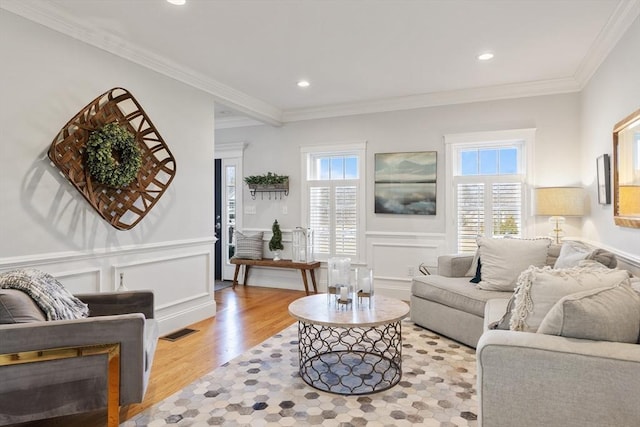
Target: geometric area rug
(262,387)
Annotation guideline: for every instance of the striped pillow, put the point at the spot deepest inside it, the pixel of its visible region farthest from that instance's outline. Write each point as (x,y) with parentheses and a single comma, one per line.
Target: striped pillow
(248,246)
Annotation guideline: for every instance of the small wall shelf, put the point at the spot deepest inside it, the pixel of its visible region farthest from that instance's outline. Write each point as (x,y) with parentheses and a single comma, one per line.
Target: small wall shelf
(271,189)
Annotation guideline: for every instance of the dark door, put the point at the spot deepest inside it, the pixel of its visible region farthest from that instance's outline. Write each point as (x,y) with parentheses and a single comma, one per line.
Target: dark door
(218,219)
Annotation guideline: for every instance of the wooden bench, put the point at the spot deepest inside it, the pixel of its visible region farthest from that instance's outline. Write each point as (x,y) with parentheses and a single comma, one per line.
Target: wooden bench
(283,263)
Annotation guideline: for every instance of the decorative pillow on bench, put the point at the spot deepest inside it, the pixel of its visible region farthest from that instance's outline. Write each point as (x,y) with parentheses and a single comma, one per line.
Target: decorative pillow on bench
(248,246)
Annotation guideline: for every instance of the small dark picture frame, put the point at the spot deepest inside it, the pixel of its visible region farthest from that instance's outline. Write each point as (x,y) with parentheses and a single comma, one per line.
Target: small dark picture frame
(604,179)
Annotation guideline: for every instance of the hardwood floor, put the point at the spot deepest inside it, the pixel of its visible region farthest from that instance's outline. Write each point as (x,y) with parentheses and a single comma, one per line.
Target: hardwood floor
(245,317)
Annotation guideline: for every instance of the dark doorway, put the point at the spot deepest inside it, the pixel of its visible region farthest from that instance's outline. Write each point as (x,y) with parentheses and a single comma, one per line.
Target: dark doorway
(218,219)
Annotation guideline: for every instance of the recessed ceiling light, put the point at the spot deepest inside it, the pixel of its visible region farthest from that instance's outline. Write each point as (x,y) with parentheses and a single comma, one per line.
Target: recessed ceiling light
(303,83)
(485,56)
(177,2)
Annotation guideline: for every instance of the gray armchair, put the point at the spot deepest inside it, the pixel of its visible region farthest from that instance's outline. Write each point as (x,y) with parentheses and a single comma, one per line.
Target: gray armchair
(64,386)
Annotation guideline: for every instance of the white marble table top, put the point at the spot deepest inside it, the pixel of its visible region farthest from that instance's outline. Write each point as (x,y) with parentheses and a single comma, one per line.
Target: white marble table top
(314,309)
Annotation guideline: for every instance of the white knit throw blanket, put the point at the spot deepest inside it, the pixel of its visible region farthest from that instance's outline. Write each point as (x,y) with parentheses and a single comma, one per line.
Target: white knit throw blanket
(49,294)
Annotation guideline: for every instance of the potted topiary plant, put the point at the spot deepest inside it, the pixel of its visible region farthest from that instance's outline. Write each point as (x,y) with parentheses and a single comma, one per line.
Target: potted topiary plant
(275,244)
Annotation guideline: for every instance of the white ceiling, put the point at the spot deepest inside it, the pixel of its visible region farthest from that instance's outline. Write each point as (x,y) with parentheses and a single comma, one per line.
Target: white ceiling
(360,56)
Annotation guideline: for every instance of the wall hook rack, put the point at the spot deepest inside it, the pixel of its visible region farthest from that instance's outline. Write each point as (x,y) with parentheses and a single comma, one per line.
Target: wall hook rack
(276,192)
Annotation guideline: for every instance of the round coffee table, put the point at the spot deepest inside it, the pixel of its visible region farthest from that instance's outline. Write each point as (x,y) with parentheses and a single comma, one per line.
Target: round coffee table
(347,351)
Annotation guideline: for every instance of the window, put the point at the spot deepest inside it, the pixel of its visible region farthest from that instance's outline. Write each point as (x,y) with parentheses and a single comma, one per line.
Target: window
(486,178)
(333,199)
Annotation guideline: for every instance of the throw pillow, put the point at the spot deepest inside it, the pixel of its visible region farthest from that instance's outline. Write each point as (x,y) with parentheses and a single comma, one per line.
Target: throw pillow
(56,302)
(504,321)
(604,257)
(553,253)
(571,253)
(504,259)
(478,276)
(538,289)
(601,314)
(248,246)
(18,307)
(473,270)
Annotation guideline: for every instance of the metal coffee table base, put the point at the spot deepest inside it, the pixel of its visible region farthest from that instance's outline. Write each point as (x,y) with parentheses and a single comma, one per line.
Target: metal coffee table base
(350,360)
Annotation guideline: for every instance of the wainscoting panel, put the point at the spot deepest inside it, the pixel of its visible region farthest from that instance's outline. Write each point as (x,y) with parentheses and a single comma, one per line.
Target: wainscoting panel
(397,257)
(81,281)
(179,273)
(394,257)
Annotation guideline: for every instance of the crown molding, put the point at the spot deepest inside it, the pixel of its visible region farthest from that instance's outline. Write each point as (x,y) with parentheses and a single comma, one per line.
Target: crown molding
(626,12)
(44,13)
(461,96)
(236,122)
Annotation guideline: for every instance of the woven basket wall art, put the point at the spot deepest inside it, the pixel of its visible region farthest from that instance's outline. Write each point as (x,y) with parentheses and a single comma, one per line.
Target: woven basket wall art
(123,207)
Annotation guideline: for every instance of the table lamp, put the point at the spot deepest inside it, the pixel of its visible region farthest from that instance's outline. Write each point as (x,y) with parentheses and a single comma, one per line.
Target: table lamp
(558,202)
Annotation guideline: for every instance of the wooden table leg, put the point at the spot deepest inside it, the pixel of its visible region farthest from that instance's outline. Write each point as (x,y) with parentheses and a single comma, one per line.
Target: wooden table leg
(246,274)
(313,280)
(235,276)
(304,280)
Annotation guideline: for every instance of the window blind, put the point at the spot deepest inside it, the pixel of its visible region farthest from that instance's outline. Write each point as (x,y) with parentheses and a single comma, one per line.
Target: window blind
(507,209)
(320,218)
(346,227)
(498,213)
(470,201)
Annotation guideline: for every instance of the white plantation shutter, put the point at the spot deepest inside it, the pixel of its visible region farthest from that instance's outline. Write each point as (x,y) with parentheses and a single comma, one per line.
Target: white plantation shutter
(320,218)
(506,209)
(333,199)
(346,227)
(470,200)
(333,217)
(487,182)
(496,213)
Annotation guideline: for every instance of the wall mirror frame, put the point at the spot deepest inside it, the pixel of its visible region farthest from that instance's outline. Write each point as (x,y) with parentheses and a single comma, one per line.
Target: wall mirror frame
(626,171)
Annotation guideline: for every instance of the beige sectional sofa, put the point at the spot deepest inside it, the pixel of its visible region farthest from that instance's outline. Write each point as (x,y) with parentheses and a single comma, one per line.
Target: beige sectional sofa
(531,380)
(528,378)
(448,304)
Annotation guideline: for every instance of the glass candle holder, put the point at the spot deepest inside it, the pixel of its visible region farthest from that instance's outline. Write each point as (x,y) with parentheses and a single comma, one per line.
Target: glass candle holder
(364,287)
(302,245)
(339,290)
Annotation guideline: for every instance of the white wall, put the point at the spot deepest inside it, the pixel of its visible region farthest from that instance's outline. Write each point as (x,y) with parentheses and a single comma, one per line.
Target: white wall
(396,243)
(45,79)
(612,94)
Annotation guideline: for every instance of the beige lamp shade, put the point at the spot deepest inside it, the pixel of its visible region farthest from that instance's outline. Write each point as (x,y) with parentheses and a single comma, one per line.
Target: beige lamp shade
(559,201)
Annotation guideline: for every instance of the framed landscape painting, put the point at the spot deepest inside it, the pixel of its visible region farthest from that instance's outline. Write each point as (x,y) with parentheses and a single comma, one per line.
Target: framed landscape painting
(405,183)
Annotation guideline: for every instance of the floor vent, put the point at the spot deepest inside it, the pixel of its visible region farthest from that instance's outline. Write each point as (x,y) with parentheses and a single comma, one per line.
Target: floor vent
(178,334)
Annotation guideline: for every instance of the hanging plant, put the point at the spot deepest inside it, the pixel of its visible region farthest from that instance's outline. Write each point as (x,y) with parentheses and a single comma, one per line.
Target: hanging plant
(113,156)
(269,178)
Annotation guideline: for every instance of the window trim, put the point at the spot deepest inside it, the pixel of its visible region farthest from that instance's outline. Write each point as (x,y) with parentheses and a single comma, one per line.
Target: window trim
(360,149)
(486,139)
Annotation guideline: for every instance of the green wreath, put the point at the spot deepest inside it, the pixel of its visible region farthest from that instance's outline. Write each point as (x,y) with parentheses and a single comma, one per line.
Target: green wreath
(113,156)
